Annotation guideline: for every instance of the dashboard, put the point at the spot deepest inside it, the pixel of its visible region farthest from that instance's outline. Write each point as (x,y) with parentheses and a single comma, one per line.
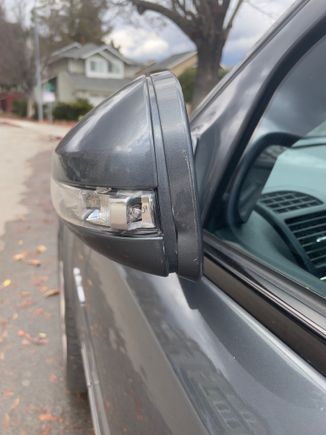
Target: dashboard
(285,221)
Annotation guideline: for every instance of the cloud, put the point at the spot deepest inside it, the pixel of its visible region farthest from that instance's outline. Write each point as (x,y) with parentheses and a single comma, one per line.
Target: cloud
(152,47)
(142,43)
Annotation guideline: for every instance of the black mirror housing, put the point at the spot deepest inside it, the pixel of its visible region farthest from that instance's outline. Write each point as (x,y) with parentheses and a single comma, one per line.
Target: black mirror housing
(130,163)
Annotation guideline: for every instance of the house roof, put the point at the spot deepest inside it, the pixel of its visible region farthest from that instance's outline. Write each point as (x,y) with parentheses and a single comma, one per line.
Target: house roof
(78,51)
(169,63)
(67,48)
(83,83)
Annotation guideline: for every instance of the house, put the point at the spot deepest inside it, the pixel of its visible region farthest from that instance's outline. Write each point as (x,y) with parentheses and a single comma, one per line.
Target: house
(89,71)
(177,63)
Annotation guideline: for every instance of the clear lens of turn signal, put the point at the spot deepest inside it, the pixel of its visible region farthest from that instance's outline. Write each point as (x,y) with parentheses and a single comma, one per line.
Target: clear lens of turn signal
(116,210)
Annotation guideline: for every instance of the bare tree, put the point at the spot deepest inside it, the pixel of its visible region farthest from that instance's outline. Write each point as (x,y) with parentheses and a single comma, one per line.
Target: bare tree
(71,21)
(17,64)
(207,23)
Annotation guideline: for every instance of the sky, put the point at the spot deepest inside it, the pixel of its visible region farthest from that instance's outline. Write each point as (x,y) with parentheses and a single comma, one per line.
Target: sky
(253,20)
(146,42)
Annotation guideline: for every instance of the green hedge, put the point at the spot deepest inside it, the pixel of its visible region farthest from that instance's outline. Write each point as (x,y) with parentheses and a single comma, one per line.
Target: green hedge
(71,111)
(187,81)
(19,107)
(61,111)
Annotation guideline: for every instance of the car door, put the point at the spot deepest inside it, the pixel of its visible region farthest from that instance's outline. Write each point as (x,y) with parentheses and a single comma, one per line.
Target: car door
(242,350)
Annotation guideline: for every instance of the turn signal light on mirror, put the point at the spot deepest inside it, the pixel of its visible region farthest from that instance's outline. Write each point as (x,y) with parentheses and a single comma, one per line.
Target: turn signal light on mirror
(114,210)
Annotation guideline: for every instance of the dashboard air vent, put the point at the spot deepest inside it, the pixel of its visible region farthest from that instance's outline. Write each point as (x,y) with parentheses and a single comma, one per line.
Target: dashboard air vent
(310,231)
(286,200)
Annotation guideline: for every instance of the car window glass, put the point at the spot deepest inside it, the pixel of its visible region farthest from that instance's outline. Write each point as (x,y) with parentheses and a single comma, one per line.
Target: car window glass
(275,206)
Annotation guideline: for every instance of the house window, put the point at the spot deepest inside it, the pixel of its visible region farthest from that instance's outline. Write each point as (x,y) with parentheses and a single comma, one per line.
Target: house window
(110,66)
(98,66)
(114,67)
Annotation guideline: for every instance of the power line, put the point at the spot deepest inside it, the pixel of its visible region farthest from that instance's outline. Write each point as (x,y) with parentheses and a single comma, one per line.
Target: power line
(262,11)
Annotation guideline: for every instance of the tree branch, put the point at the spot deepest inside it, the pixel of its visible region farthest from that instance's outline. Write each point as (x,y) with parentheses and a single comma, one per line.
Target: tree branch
(234,14)
(186,25)
(181,4)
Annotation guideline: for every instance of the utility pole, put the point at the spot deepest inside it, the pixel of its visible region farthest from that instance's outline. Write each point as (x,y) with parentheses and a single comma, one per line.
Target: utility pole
(37,67)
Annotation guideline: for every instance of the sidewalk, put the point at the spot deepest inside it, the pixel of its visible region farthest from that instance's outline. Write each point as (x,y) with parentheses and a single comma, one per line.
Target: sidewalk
(33,396)
(45,128)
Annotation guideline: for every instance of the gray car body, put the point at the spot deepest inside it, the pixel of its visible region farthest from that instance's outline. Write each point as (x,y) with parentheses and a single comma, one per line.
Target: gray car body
(161,361)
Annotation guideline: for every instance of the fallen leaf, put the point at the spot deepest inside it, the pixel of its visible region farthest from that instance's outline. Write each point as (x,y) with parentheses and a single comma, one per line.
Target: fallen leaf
(34,262)
(20,256)
(6,283)
(5,422)
(3,332)
(2,356)
(25,342)
(14,316)
(40,341)
(47,417)
(51,292)
(26,303)
(20,242)
(14,404)
(7,393)
(39,311)
(53,378)
(39,280)
(25,294)
(44,289)
(3,335)
(40,249)
(28,338)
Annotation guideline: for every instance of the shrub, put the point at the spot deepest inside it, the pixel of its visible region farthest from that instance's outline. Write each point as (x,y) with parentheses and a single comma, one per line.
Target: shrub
(188,79)
(71,111)
(82,106)
(64,111)
(19,107)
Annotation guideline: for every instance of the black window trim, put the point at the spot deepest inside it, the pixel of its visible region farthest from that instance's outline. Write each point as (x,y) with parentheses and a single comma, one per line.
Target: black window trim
(301,311)
(253,286)
(257,110)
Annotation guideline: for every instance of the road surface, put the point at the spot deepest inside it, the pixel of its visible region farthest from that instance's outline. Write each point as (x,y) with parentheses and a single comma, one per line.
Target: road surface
(33,397)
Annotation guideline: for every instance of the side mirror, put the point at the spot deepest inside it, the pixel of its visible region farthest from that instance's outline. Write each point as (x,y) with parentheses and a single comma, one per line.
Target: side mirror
(123,180)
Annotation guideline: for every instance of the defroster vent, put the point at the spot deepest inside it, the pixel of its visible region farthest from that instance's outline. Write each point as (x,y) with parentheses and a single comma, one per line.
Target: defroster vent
(283,201)
(310,231)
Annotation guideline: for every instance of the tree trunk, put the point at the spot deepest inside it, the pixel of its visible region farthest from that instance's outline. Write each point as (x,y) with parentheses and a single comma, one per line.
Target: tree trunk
(209,59)
(29,110)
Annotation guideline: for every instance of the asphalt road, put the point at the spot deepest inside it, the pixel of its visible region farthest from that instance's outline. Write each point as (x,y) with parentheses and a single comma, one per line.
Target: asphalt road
(33,397)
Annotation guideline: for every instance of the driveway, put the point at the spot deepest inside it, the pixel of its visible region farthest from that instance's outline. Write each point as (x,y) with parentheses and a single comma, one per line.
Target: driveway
(33,398)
